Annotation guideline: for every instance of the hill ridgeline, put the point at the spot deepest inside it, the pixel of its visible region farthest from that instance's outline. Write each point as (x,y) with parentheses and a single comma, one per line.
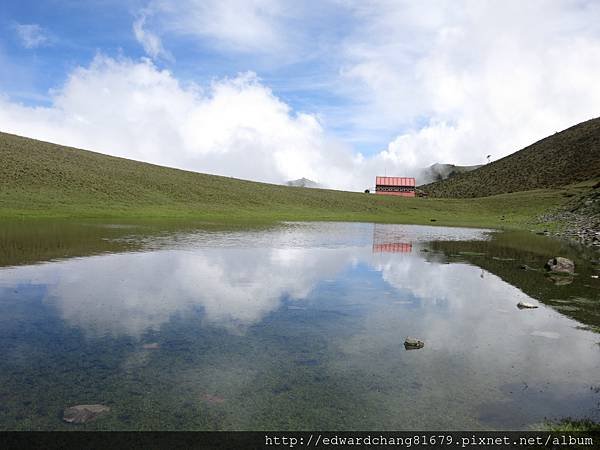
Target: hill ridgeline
(568,157)
(43,180)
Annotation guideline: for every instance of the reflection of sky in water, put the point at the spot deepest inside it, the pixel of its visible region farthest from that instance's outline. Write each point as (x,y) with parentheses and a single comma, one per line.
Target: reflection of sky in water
(237,279)
(483,357)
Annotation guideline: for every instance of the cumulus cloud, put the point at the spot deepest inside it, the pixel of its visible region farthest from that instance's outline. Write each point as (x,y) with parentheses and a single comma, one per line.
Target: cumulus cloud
(234,126)
(419,85)
(32,35)
(485,78)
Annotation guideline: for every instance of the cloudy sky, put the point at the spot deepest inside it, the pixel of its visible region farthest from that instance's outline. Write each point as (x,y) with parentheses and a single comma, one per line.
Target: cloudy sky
(333,90)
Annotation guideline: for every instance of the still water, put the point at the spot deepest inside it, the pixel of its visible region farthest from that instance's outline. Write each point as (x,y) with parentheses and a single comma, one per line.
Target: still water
(294,326)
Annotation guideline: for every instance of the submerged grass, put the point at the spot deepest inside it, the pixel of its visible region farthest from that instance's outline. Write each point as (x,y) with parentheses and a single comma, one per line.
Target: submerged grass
(43,180)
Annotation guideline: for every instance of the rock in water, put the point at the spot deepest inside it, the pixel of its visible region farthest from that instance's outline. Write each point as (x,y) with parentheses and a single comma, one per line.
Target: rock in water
(413,344)
(561,265)
(151,346)
(525,305)
(84,413)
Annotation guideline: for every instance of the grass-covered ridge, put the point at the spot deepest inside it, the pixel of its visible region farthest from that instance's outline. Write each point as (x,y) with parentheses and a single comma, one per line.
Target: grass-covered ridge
(571,156)
(43,180)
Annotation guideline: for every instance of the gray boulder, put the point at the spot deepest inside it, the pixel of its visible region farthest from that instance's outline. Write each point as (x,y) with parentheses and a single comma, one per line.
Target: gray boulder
(559,264)
(413,344)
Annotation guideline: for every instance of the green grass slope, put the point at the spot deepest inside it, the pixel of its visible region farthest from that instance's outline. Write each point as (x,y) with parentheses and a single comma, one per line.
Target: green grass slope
(43,180)
(571,156)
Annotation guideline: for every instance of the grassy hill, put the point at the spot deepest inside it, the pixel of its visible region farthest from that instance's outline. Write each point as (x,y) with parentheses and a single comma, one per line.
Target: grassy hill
(571,156)
(43,180)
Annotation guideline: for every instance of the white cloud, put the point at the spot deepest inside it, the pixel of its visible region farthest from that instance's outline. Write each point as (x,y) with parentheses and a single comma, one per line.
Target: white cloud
(234,127)
(151,43)
(452,82)
(443,83)
(32,35)
(238,25)
(472,80)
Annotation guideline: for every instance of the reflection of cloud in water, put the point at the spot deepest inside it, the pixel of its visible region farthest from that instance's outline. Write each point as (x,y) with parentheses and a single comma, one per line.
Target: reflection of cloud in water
(458,314)
(130,293)
(237,278)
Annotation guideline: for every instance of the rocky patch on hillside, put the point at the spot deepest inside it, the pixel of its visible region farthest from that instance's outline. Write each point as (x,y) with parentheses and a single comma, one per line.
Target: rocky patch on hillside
(580,222)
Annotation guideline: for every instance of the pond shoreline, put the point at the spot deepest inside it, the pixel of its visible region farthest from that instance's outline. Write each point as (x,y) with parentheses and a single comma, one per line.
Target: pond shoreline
(578,229)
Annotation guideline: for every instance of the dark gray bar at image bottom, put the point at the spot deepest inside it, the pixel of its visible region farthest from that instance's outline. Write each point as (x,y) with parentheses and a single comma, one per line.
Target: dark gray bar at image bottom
(113,440)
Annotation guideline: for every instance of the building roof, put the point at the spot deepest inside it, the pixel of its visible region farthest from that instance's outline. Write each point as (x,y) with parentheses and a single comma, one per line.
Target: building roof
(395,181)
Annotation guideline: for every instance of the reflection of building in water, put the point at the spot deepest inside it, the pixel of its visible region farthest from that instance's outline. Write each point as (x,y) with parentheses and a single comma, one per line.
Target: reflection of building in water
(393,247)
(385,240)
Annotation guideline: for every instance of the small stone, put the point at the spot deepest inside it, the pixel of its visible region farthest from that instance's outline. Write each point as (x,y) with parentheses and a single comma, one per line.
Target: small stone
(413,344)
(525,305)
(151,346)
(84,413)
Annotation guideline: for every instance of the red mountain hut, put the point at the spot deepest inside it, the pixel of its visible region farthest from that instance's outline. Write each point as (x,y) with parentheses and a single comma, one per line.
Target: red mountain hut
(401,186)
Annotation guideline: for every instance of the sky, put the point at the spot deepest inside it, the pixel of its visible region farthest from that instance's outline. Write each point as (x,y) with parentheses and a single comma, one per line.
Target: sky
(337,91)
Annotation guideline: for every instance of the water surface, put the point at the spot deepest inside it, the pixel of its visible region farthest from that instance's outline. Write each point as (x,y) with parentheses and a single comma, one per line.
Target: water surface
(295,326)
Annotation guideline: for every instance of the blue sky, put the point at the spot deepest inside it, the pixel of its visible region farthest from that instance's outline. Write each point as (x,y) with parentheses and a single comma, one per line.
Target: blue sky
(335,90)
(74,32)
